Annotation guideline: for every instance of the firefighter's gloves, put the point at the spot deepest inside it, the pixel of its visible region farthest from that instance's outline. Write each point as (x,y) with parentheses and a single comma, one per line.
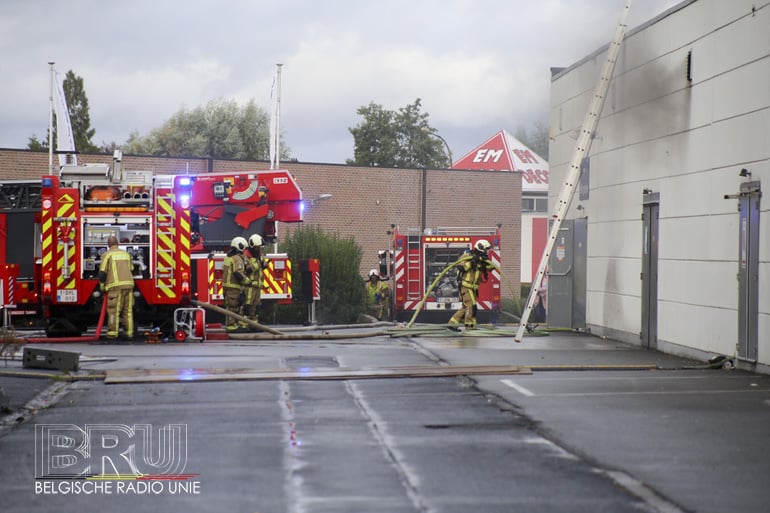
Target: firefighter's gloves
(477,259)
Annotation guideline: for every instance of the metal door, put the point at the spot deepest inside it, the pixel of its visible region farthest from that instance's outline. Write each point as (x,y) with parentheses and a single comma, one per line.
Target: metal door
(579,281)
(567,276)
(649,333)
(748,272)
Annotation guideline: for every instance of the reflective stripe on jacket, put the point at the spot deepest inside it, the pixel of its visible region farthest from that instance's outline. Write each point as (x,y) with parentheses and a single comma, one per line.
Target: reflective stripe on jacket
(471,274)
(116,264)
(380,288)
(256,271)
(232,267)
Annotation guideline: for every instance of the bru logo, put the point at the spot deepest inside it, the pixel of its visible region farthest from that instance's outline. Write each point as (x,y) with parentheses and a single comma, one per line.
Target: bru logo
(109,450)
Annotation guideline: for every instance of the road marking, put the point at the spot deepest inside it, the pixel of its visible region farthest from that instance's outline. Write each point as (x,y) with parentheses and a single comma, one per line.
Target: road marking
(638,392)
(520,389)
(649,496)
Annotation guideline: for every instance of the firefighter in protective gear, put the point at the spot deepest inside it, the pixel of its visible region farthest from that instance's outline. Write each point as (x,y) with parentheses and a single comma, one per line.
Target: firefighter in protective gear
(377,296)
(234,281)
(470,273)
(117,281)
(254,267)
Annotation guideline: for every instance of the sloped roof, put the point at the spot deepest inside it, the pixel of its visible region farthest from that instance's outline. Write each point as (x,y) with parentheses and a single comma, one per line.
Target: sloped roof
(503,152)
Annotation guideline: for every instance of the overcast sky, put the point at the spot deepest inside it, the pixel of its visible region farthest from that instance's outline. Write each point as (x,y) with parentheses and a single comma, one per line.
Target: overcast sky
(479,66)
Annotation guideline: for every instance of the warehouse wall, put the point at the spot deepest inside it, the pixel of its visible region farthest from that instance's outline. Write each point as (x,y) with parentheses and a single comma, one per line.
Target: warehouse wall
(687,109)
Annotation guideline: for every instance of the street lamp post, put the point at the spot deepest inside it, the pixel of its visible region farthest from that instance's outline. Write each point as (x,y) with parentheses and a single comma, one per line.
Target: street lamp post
(446,144)
(449,152)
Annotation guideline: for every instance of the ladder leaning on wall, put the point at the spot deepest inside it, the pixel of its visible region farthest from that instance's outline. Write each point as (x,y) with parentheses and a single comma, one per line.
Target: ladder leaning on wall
(582,146)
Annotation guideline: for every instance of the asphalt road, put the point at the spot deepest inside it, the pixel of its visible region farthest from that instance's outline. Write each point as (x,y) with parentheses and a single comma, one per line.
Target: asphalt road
(553,441)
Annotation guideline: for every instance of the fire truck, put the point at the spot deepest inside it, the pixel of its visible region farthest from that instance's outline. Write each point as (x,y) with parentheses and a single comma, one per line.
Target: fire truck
(419,257)
(54,231)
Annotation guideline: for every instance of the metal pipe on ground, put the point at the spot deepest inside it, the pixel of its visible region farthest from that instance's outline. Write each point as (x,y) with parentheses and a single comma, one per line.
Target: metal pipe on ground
(220,310)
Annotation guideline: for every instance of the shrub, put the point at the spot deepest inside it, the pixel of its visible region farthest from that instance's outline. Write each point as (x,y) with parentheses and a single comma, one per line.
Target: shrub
(342,288)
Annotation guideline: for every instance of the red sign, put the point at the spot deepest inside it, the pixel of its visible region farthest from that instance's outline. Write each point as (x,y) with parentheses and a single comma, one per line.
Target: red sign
(503,152)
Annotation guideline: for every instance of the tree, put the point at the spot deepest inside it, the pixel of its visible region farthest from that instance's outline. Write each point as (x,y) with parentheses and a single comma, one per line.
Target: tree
(536,139)
(80,118)
(222,129)
(400,138)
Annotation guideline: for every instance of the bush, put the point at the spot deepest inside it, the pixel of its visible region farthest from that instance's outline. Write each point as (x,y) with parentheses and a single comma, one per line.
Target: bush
(342,288)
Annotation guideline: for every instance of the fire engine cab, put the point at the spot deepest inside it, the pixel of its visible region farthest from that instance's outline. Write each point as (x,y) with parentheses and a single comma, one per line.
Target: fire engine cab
(418,258)
(174,227)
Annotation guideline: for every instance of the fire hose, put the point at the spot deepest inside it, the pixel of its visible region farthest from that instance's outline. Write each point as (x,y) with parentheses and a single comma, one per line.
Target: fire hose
(87,338)
(459,261)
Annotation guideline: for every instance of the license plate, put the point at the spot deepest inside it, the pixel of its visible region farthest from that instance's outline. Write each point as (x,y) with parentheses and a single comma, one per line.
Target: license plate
(445,299)
(67,296)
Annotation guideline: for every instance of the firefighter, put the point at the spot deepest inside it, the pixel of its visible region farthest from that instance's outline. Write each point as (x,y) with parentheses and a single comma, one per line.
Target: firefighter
(254,267)
(234,281)
(117,281)
(470,273)
(377,296)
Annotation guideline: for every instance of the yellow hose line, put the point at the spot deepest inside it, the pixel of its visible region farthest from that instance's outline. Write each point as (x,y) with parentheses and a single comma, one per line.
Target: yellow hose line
(217,309)
(459,261)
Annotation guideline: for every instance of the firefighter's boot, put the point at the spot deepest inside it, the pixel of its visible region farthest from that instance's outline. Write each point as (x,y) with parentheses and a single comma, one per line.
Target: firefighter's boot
(454,324)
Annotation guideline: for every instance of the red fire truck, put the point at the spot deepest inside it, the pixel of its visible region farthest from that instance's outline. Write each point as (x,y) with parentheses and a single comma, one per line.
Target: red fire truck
(176,228)
(418,258)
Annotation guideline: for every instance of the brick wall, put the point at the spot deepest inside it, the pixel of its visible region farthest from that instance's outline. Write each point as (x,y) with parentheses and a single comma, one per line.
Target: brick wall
(365,201)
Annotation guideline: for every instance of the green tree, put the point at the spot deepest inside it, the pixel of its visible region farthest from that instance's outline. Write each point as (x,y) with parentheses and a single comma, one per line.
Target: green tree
(342,288)
(80,118)
(536,139)
(221,129)
(402,138)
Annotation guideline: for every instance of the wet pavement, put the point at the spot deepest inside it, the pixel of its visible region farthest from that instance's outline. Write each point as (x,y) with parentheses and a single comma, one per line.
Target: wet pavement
(597,426)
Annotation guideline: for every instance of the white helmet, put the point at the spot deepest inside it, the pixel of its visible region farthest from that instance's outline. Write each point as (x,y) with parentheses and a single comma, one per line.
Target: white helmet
(482,246)
(374,272)
(255,241)
(239,243)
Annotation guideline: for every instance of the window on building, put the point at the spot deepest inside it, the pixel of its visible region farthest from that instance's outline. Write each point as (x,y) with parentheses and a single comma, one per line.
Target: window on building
(534,204)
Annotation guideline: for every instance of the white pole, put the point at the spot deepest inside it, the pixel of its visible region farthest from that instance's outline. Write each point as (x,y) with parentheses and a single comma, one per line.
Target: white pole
(50,118)
(277,133)
(275,163)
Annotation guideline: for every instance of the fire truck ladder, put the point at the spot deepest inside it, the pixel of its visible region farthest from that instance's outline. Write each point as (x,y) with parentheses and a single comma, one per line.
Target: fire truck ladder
(20,196)
(164,224)
(413,261)
(582,146)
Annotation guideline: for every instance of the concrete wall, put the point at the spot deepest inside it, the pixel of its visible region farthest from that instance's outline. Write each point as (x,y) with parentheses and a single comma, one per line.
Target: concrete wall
(686,139)
(365,201)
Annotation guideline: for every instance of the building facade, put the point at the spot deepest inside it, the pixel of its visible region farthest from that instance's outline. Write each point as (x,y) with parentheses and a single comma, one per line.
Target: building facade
(676,233)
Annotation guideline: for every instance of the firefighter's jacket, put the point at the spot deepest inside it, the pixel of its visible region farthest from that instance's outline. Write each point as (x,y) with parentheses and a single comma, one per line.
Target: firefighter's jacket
(472,272)
(234,271)
(254,266)
(115,271)
(377,292)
